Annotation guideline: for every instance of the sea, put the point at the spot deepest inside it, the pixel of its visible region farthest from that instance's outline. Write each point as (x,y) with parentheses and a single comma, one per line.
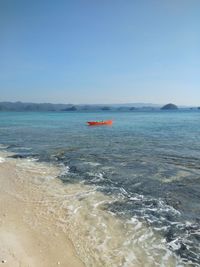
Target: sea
(134,186)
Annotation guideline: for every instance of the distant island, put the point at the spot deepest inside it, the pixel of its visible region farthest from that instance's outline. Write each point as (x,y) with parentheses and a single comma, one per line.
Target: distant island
(72,108)
(49,107)
(42,107)
(169,107)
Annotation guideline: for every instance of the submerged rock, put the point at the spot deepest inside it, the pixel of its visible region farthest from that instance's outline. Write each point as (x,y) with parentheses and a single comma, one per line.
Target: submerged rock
(23,156)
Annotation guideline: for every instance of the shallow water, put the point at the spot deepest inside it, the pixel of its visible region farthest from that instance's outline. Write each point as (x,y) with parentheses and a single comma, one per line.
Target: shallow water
(133,189)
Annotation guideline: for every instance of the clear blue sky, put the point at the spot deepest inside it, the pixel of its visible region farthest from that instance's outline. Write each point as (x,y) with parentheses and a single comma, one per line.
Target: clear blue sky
(100,51)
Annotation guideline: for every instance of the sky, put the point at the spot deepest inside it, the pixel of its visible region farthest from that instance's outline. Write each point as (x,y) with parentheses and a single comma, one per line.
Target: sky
(100,51)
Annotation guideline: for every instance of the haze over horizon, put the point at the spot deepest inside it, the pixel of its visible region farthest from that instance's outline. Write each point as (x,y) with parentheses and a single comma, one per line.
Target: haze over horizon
(96,52)
(128,104)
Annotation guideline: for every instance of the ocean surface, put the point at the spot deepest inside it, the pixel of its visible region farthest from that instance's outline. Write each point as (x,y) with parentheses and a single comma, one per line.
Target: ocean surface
(135,185)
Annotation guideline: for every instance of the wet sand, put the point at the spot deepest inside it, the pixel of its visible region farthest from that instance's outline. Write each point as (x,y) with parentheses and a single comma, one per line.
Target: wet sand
(29,236)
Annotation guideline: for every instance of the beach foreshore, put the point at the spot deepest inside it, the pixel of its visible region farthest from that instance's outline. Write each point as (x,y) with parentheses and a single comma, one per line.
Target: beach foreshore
(47,223)
(29,236)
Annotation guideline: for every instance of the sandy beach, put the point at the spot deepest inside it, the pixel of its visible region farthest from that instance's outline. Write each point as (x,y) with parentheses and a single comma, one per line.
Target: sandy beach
(29,236)
(46,223)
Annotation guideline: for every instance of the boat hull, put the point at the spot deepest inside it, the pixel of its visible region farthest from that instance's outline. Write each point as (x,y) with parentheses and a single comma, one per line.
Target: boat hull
(98,123)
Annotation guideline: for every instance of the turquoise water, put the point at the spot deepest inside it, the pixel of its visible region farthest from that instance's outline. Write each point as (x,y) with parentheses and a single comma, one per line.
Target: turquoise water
(148,161)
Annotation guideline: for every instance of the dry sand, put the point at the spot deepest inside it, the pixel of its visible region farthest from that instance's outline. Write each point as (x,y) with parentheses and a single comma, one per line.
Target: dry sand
(29,236)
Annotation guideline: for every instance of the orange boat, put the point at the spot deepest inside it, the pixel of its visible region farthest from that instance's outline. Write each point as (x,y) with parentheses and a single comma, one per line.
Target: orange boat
(96,123)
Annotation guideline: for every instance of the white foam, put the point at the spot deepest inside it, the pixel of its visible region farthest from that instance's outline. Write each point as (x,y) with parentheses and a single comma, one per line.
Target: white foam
(174,244)
(64,170)
(2,160)
(92,163)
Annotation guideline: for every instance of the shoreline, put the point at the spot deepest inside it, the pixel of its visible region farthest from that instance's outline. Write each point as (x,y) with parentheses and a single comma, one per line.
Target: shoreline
(45,223)
(29,235)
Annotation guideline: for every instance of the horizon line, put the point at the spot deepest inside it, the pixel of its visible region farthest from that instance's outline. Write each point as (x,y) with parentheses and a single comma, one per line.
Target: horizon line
(99,104)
